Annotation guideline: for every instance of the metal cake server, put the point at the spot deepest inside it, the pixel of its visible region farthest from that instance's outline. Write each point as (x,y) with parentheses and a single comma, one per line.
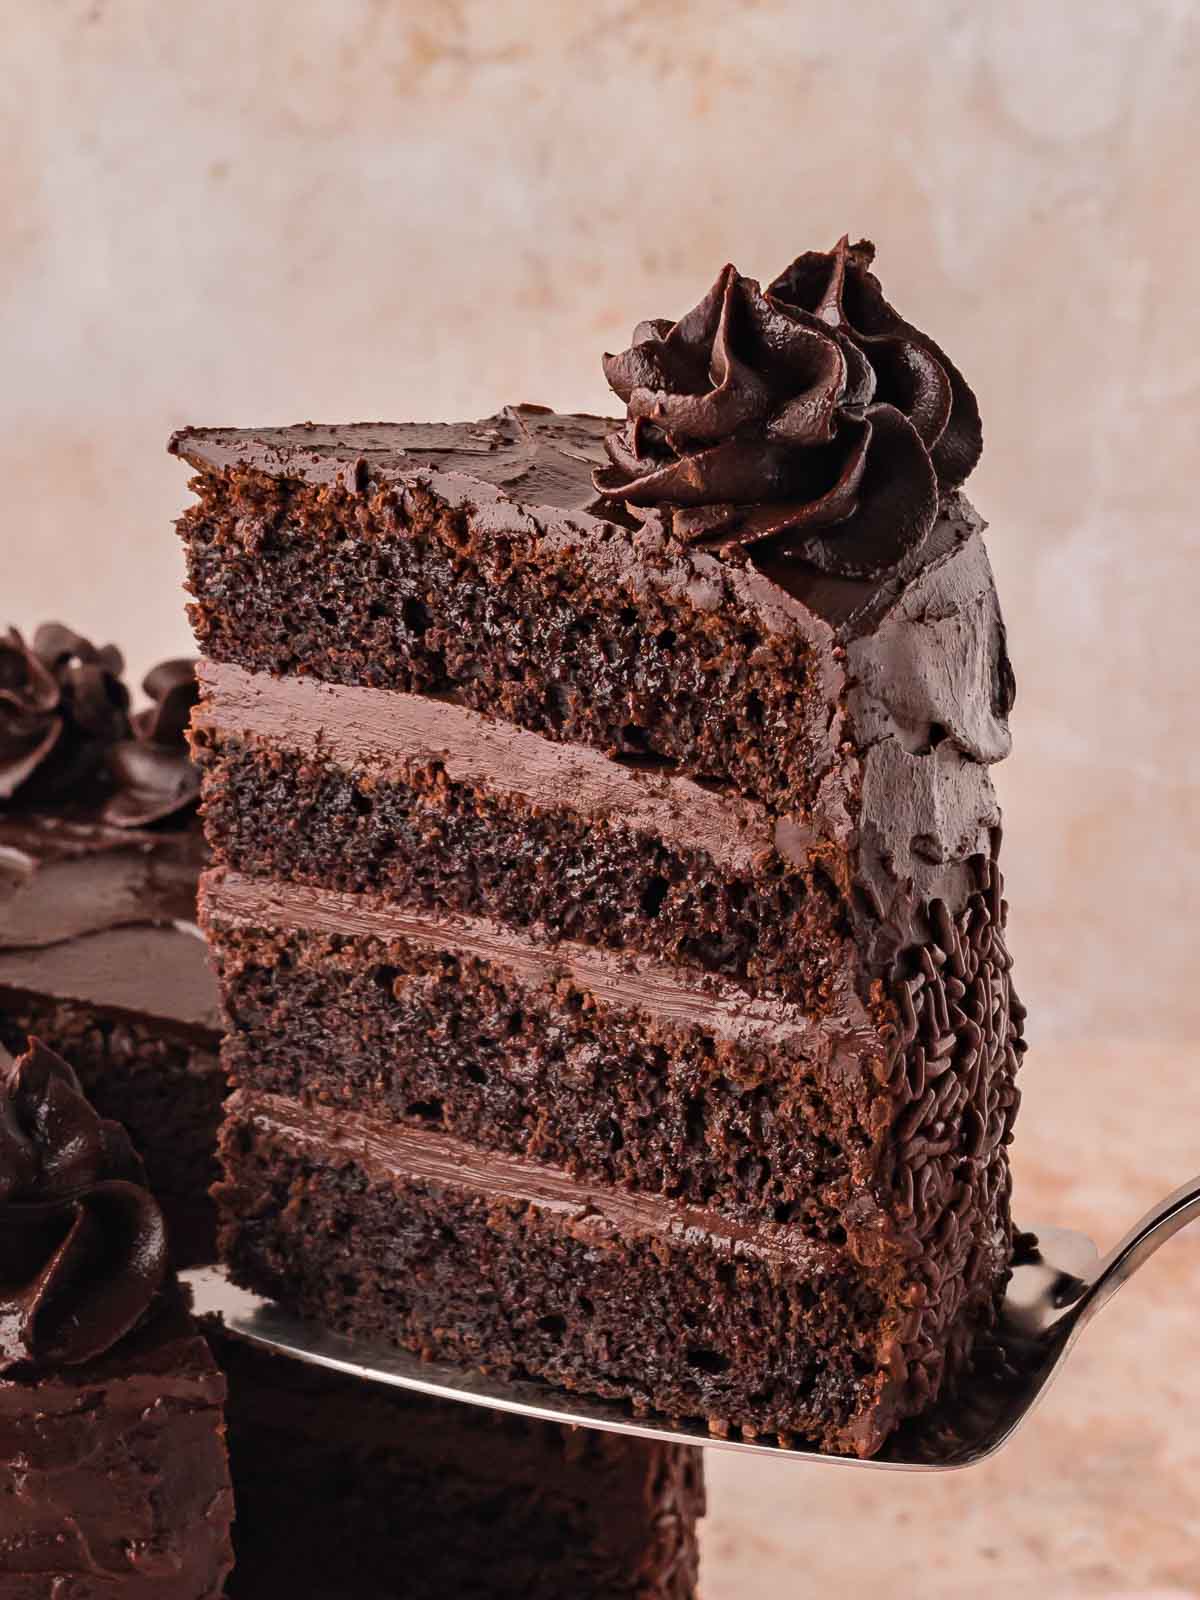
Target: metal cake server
(1057,1287)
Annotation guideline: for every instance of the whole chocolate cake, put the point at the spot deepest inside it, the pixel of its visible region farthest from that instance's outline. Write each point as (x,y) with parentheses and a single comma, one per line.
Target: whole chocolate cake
(114,1480)
(100,850)
(606,901)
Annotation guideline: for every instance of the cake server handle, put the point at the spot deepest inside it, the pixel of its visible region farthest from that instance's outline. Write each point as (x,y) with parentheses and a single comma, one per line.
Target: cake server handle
(1161,1222)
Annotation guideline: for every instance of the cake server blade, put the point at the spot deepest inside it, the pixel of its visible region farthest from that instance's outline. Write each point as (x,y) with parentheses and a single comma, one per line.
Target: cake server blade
(1058,1284)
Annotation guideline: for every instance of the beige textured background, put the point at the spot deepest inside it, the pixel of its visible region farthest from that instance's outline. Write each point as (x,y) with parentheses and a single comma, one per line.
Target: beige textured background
(249,212)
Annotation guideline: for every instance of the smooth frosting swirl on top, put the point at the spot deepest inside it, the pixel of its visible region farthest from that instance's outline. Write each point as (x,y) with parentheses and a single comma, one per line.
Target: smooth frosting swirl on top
(66,730)
(153,771)
(806,423)
(83,1247)
(62,703)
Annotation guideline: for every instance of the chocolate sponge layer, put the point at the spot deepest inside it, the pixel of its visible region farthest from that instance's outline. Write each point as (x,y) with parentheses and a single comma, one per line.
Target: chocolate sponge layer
(620,1074)
(402,1236)
(458,848)
(408,593)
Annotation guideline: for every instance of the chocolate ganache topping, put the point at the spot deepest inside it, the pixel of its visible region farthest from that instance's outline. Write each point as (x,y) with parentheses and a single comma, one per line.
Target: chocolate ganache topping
(153,771)
(807,423)
(82,1242)
(62,703)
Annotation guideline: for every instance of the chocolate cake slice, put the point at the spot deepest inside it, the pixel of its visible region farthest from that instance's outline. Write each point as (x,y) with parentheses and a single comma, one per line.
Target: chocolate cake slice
(606,902)
(114,1480)
(344,1488)
(100,852)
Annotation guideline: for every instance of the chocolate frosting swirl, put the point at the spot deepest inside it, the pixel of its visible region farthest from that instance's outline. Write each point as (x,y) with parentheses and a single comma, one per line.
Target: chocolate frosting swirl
(153,771)
(62,703)
(82,1242)
(807,423)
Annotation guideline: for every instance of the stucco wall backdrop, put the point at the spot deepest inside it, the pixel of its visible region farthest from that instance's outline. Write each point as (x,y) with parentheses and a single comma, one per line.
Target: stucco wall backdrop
(260,212)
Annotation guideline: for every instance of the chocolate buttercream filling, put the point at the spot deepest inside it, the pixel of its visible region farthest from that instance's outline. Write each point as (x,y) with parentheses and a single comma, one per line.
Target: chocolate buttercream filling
(380,732)
(672,994)
(389,1153)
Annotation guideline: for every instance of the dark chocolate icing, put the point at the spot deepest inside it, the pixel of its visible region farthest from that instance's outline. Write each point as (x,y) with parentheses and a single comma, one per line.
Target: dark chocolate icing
(95,903)
(62,703)
(808,424)
(912,373)
(82,1240)
(66,731)
(115,1474)
(153,771)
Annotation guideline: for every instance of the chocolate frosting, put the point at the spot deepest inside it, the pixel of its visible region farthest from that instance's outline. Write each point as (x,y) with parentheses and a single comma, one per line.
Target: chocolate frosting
(82,1240)
(99,856)
(912,372)
(595,1212)
(62,703)
(674,996)
(66,731)
(116,1480)
(153,771)
(808,424)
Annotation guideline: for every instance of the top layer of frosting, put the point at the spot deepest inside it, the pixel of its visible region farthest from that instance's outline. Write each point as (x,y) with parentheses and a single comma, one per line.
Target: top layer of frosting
(529,461)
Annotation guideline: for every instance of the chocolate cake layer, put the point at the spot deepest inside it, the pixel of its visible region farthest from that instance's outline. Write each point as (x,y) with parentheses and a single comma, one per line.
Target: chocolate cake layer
(371,1483)
(431,804)
(114,1482)
(100,957)
(512,1264)
(617,1068)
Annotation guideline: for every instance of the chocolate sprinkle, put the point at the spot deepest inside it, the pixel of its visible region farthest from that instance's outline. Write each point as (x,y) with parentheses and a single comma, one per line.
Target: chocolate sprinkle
(953,1077)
